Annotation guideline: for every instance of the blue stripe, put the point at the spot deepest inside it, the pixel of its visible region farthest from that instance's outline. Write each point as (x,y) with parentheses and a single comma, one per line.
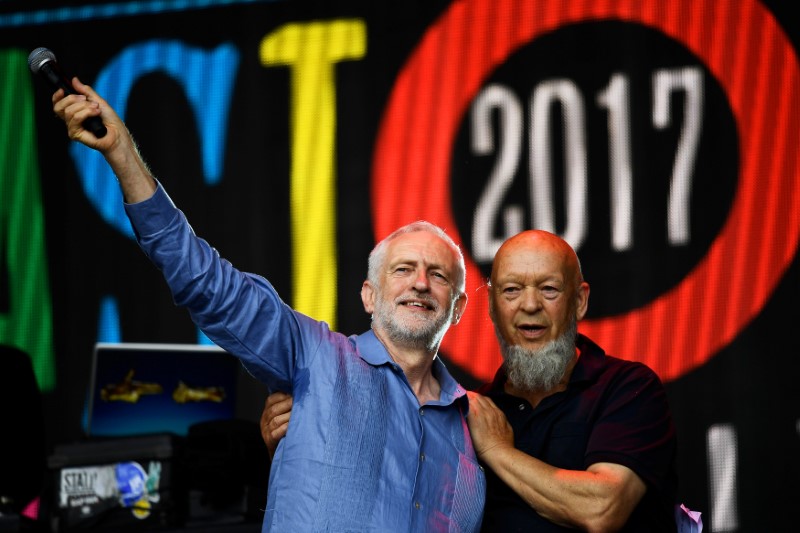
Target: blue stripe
(104,11)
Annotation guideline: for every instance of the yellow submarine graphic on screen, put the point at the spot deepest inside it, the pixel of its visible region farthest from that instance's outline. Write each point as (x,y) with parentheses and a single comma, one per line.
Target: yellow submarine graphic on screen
(130,390)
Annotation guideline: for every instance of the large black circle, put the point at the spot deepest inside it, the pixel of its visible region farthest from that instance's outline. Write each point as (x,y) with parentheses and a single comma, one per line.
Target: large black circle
(588,54)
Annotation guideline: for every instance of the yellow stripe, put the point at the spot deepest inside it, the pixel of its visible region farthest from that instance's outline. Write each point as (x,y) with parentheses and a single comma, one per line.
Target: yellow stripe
(311,50)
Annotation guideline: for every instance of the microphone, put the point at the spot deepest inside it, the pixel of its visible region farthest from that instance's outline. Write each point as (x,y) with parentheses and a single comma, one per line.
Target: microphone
(43,61)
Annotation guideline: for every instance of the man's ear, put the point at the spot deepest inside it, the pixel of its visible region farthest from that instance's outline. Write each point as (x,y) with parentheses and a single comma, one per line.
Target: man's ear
(490,298)
(458,308)
(368,297)
(583,300)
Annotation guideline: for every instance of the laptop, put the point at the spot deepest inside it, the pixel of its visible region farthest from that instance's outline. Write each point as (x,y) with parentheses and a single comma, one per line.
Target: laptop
(141,389)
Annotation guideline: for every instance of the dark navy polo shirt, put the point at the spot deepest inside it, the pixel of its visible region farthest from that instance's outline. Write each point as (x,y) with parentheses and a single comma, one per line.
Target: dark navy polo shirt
(613,410)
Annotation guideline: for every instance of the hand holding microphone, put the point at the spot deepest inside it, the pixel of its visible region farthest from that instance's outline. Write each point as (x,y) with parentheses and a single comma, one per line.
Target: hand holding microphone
(43,61)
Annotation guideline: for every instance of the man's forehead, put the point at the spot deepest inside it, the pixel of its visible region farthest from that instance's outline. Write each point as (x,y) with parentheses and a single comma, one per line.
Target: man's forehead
(419,244)
(525,261)
(528,276)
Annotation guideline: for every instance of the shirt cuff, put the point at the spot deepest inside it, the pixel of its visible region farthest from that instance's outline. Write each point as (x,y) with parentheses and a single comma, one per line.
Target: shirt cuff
(151,215)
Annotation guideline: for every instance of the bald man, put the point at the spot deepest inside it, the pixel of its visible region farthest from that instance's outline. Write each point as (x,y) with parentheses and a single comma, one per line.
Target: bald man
(572,437)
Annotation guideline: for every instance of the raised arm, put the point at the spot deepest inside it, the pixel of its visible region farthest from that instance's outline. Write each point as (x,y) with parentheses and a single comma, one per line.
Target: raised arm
(117,146)
(216,294)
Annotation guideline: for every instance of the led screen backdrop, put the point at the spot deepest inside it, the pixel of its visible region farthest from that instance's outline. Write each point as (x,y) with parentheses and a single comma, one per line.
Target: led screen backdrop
(660,138)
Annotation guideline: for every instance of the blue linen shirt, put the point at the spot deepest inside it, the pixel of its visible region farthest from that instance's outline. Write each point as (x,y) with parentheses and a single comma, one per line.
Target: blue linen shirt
(360,454)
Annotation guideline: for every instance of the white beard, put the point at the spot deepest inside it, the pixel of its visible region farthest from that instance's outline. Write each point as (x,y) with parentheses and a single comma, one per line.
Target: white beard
(414,332)
(542,369)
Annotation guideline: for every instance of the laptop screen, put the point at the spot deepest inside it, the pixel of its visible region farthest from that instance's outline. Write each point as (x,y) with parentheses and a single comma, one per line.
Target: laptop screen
(139,389)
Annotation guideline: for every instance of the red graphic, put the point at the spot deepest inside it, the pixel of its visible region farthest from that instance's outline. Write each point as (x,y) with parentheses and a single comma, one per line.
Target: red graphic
(745,50)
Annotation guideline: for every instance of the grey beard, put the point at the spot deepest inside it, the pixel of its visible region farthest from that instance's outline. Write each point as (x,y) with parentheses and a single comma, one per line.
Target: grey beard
(542,369)
(412,335)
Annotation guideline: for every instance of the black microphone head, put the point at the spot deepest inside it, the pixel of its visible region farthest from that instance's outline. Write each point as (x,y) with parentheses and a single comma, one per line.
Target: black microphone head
(39,57)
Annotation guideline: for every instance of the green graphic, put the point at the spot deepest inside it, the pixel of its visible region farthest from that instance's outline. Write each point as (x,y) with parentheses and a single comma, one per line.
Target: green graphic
(26,318)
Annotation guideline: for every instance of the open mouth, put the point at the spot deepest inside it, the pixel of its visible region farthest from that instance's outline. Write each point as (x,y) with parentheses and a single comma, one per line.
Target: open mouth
(418,304)
(531,330)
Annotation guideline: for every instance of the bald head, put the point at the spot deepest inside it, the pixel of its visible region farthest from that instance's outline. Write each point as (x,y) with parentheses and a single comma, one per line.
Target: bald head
(529,245)
(537,289)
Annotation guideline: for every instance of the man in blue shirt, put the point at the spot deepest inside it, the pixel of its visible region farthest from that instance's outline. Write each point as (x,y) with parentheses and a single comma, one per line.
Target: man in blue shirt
(379,440)
(572,438)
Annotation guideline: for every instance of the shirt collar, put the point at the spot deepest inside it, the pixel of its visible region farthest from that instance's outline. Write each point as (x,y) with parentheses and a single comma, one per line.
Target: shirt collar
(591,362)
(371,350)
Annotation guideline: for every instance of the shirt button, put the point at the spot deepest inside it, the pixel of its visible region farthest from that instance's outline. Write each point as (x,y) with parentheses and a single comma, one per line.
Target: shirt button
(422,412)
(522,407)
(422,457)
(417,505)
